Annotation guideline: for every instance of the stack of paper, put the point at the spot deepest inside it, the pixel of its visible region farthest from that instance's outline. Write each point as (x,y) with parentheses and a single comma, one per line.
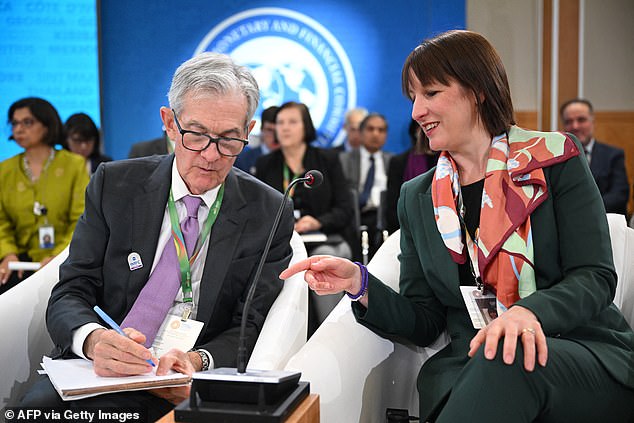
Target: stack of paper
(75,379)
(314,237)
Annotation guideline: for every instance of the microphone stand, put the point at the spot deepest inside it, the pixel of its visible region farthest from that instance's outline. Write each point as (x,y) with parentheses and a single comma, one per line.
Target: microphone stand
(309,179)
(257,393)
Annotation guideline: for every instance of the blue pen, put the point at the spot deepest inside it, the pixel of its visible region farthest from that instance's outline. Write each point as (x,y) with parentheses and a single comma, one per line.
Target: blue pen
(114,326)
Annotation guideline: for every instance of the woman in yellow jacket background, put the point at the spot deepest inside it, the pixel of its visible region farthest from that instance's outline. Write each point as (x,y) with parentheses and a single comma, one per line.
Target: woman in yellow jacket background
(41,190)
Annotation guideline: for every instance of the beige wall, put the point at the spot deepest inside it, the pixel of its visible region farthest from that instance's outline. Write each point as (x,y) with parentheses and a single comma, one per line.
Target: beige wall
(607,53)
(512,27)
(608,65)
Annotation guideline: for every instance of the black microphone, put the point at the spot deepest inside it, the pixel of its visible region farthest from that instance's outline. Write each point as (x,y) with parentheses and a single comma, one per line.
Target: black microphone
(255,386)
(312,179)
(315,179)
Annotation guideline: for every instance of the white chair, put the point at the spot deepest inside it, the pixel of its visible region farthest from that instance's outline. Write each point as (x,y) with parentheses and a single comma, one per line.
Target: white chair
(359,374)
(286,325)
(623,252)
(26,340)
(356,373)
(23,329)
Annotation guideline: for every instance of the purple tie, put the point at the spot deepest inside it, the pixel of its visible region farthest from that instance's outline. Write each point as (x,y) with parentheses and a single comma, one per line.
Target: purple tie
(158,294)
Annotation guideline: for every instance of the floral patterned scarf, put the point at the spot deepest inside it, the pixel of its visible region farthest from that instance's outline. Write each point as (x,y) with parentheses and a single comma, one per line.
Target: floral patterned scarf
(514,186)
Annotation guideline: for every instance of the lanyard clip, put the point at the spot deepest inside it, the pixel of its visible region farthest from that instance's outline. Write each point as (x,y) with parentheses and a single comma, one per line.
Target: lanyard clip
(188,305)
(187,311)
(480,285)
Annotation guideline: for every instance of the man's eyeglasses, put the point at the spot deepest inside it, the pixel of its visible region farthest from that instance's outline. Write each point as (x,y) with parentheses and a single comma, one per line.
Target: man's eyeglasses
(27,123)
(195,141)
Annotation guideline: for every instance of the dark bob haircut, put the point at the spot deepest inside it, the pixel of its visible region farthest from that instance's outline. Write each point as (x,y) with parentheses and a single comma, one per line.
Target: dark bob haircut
(82,126)
(310,134)
(469,59)
(45,113)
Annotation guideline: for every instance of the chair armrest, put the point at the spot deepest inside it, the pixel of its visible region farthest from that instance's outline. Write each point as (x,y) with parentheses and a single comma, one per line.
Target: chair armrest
(622,239)
(23,330)
(356,373)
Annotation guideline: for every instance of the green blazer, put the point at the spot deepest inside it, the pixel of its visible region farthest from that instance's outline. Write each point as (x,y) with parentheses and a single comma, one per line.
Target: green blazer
(574,273)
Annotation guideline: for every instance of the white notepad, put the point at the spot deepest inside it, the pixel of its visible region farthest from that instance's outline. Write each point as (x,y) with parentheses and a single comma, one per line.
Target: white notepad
(75,379)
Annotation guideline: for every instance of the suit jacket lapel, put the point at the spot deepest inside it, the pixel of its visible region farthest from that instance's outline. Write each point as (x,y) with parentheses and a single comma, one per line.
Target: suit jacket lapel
(596,159)
(386,160)
(355,161)
(148,210)
(444,268)
(222,244)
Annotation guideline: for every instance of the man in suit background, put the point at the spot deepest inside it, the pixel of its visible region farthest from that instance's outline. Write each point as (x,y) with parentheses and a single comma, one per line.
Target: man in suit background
(160,146)
(268,142)
(352,121)
(607,163)
(125,234)
(366,170)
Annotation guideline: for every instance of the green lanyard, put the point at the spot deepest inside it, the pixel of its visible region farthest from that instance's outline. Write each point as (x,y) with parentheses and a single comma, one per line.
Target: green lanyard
(183,261)
(287,179)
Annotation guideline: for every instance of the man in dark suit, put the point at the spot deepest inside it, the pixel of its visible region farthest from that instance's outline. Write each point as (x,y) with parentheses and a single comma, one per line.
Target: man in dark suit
(366,169)
(160,146)
(607,163)
(126,231)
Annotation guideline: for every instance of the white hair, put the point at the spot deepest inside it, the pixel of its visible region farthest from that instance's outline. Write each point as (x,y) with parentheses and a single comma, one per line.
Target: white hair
(213,73)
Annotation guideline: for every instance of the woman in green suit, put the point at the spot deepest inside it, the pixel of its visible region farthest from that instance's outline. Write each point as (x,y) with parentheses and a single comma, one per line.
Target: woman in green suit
(510,227)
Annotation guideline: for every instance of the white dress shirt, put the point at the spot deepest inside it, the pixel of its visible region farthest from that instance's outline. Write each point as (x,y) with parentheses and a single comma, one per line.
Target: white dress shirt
(380,176)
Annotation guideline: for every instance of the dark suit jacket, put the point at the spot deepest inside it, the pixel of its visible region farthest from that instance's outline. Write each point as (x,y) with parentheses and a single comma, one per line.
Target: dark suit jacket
(329,203)
(125,206)
(608,168)
(574,274)
(351,164)
(149,148)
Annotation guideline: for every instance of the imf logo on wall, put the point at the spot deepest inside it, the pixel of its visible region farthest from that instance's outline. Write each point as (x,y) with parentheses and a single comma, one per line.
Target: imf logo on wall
(293,58)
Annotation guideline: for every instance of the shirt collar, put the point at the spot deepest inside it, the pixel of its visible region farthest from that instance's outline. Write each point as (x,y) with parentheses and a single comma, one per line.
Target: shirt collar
(590,146)
(180,190)
(365,154)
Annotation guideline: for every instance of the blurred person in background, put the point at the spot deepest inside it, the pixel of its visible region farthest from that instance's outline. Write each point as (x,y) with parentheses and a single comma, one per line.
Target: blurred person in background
(607,163)
(327,209)
(268,142)
(351,124)
(42,192)
(366,168)
(81,136)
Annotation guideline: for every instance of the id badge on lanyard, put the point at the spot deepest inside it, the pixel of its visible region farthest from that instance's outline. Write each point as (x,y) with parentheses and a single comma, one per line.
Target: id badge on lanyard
(45,231)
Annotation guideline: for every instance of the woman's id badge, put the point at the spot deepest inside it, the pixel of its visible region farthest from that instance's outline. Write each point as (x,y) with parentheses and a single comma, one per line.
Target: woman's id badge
(482,307)
(46,234)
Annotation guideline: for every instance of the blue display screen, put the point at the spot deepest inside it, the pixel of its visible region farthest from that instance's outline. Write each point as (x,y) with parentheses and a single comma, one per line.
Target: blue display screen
(48,49)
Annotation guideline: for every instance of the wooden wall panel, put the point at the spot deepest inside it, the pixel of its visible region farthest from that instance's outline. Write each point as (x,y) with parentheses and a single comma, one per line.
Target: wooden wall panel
(617,128)
(611,127)
(526,119)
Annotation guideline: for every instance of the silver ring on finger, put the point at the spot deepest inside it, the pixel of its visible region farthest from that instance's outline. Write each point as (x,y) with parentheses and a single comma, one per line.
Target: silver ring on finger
(528,330)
